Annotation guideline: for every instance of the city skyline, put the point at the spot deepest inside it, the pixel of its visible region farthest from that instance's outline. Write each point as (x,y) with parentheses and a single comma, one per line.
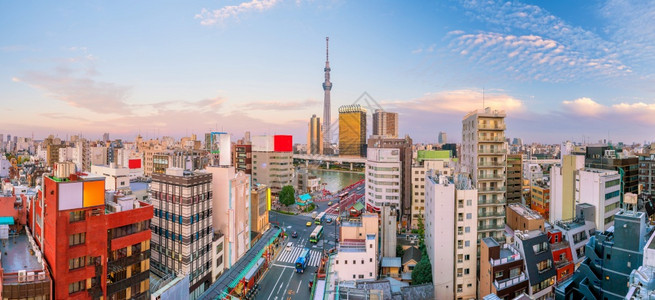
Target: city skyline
(561,71)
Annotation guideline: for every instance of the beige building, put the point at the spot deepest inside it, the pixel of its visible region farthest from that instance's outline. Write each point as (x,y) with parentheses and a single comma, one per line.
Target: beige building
(451,235)
(231,210)
(483,155)
(385,123)
(259,197)
(356,257)
(270,167)
(441,166)
(522,218)
(562,187)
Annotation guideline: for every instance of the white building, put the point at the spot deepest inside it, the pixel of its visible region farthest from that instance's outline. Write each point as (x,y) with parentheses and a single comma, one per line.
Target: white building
(116,178)
(5,165)
(441,166)
(98,155)
(357,256)
(231,210)
(451,228)
(218,253)
(484,154)
(600,188)
(383,178)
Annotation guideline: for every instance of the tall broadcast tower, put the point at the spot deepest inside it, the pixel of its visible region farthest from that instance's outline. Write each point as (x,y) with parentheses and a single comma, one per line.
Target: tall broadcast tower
(327,86)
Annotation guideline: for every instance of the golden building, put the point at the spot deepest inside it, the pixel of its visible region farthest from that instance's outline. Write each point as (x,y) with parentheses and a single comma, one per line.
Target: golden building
(352,130)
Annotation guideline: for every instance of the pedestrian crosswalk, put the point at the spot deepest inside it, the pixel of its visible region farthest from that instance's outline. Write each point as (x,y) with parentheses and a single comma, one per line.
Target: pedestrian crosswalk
(291,256)
(331,216)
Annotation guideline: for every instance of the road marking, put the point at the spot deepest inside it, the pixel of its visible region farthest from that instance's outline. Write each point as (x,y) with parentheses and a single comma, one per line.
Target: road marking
(278,280)
(288,281)
(298,289)
(281,266)
(278,290)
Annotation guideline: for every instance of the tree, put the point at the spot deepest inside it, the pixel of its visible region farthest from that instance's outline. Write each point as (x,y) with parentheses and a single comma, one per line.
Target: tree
(422,272)
(287,195)
(399,251)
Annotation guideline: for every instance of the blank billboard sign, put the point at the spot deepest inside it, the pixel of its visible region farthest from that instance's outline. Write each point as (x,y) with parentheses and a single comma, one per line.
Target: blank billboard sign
(94,193)
(283,143)
(70,195)
(134,163)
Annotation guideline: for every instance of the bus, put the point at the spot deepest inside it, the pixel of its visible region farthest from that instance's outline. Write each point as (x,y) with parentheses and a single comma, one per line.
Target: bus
(320,218)
(316,234)
(301,261)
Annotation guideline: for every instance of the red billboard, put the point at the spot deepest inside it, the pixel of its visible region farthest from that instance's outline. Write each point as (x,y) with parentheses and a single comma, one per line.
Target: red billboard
(135,163)
(283,143)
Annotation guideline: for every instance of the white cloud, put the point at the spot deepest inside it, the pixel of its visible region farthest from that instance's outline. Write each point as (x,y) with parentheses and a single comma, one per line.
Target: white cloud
(459,101)
(584,107)
(212,17)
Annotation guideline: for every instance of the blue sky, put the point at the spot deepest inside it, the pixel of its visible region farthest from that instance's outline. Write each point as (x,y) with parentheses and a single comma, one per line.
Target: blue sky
(562,70)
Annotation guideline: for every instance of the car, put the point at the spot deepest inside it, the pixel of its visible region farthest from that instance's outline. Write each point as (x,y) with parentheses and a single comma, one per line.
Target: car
(294,235)
(329,220)
(289,246)
(309,224)
(329,203)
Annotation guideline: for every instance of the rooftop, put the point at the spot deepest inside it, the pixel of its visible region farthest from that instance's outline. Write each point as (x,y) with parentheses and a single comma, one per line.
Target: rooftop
(391,262)
(17,255)
(524,211)
(491,242)
(138,186)
(352,246)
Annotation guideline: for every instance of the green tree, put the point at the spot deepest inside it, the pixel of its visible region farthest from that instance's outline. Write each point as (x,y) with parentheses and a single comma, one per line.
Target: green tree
(287,195)
(422,272)
(399,251)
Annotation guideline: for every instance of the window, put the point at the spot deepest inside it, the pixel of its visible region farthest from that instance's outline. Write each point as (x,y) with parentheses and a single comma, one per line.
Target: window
(467,229)
(467,243)
(498,274)
(544,265)
(361,276)
(76,263)
(469,216)
(370,260)
(469,202)
(76,287)
(540,247)
(77,215)
(76,239)
(354,262)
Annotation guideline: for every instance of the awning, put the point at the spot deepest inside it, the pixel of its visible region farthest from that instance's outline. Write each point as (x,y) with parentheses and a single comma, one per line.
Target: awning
(6,220)
(254,269)
(358,206)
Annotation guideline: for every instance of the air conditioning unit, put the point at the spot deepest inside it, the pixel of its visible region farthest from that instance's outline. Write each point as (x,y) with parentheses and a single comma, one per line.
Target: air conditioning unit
(41,276)
(30,276)
(22,275)
(38,256)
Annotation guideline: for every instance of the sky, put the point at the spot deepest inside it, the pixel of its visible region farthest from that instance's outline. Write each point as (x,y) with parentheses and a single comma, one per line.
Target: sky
(561,70)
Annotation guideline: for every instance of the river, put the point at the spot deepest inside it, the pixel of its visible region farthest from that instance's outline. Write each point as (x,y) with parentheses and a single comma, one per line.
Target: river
(336,180)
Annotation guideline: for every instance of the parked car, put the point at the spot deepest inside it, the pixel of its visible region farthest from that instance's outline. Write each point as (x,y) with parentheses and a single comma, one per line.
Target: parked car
(294,235)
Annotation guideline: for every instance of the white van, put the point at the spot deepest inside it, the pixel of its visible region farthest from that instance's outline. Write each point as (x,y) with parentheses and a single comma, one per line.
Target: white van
(289,246)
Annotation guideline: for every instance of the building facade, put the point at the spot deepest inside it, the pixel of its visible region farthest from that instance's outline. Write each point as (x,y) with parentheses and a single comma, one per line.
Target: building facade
(514,178)
(242,158)
(260,197)
(484,153)
(442,167)
(562,187)
(182,226)
(502,270)
(352,130)
(93,250)
(383,172)
(272,161)
(385,123)
(315,136)
(600,188)
(450,227)
(540,198)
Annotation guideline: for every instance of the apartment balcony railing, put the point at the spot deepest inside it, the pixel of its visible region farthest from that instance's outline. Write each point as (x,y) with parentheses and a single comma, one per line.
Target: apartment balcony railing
(492,126)
(491,164)
(491,214)
(490,139)
(492,189)
(491,177)
(510,282)
(489,202)
(487,151)
(491,227)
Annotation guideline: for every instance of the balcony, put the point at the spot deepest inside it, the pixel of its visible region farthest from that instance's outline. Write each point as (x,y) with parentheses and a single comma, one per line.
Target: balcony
(510,282)
(487,151)
(491,215)
(492,189)
(491,227)
(490,202)
(490,177)
(493,139)
(492,126)
(122,263)
(492,164)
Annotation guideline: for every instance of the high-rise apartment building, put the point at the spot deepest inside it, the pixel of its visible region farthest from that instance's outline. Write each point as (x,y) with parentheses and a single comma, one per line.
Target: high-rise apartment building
(182,226)
(514,178)
(96,246)
(272,161)
(352,130)
(606,157)
(647,174)
(451,234)
(483,154)
(385,123)
(383,178)
(315,136)
(404,147)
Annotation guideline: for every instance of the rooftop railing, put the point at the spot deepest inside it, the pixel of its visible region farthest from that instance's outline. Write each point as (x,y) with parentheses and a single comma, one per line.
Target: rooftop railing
(510,282)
